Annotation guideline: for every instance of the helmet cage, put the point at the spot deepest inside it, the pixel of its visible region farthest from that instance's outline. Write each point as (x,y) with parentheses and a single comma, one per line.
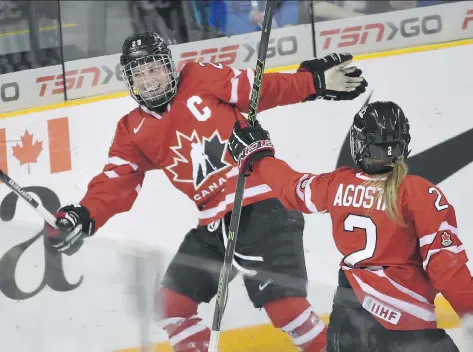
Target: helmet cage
(153,96)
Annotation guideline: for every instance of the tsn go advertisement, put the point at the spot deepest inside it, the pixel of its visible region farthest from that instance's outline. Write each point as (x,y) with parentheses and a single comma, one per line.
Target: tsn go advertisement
(289,45)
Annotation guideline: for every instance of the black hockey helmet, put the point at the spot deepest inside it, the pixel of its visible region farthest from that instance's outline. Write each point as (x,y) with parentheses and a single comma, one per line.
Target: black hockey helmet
(380,132)
(148,69)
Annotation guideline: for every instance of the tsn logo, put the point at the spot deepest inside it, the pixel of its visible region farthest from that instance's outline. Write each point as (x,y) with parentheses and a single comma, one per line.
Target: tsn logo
(225,55)
(468,19)
(74,79)
(407,28)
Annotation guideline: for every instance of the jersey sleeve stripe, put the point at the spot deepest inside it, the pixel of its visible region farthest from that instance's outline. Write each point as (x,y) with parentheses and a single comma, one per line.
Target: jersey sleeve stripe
(222,206)
(299,187)
(234,90)
(446,226)
(138,189)
(308,198)
(115,160)
(233,172)
(429,239)
(453,249)
(111,174)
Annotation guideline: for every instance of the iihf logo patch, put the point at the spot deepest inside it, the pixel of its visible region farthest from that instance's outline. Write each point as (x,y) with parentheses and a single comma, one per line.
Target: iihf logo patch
(446,239)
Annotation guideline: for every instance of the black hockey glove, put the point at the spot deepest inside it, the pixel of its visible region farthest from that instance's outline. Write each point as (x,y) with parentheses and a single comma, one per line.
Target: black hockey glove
(333,80)
(74,224)
(248,145)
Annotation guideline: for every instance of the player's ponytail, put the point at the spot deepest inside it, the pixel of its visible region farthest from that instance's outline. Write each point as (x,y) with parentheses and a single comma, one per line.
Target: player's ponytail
(389,183)
(391,189)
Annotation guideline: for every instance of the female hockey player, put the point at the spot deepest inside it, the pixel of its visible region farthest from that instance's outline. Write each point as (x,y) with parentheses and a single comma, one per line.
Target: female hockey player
(397,232)
(180,127)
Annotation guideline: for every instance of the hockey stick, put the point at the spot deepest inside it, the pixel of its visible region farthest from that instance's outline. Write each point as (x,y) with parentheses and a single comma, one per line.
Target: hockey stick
(40,209)
(128,247)
(222,292)
(20,192)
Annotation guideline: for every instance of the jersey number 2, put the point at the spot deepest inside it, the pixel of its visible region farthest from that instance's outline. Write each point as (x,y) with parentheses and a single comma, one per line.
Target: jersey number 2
(438,206)
(365,223)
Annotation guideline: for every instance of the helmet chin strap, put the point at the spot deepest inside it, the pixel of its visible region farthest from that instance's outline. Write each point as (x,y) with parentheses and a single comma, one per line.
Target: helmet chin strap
(160,109)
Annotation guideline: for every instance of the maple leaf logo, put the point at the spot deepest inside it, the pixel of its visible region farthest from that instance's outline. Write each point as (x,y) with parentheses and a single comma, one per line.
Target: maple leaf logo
(197,159)
(181,165)
(28,152)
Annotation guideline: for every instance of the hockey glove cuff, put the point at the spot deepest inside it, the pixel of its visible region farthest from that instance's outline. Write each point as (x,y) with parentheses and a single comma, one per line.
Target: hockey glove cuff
(248,144)
(74,224)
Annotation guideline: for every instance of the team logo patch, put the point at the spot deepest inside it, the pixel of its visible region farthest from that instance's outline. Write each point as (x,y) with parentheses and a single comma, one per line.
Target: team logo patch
(446,239)
(198,158)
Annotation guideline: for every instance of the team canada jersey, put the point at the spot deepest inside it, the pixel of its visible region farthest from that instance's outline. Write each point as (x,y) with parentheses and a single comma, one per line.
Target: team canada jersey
(188,142)
(395,271)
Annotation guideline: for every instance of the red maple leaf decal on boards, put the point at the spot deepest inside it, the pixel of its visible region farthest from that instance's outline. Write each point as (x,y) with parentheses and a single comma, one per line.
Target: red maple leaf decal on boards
(28,152)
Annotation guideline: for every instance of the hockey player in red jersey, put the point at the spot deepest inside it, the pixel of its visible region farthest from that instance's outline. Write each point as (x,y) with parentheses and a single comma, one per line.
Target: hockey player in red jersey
(180,127)
(397,232)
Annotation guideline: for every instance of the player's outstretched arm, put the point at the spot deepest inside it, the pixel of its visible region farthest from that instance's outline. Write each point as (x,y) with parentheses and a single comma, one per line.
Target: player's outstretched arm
(112,191)
(444,256)
(326,78)
(252,148)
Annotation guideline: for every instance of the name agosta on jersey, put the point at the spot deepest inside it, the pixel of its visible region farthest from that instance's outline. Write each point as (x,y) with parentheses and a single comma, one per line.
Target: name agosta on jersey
(359,196)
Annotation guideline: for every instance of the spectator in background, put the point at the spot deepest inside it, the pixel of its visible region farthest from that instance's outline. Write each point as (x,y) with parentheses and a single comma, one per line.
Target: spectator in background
(179,21)
(246,16)
(218,15)
(210,17)
(285,14)
(333,10)
(164,17)
(423,3)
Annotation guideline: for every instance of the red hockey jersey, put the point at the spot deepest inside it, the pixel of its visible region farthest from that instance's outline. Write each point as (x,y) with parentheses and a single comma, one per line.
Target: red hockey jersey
(395,271)
(189,141)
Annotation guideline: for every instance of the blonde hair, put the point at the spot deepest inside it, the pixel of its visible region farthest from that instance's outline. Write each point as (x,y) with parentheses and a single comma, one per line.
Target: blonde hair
(390,183)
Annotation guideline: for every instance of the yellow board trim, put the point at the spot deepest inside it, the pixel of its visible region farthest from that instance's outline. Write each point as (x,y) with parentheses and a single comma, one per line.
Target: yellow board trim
(41,29)
(266,338)
(395,52)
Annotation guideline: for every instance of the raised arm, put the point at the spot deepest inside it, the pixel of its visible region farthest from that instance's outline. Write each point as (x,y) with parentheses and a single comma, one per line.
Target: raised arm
(234,86)
(112,191)
(327,78)
(115,189)
(254,152)
(304,192)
